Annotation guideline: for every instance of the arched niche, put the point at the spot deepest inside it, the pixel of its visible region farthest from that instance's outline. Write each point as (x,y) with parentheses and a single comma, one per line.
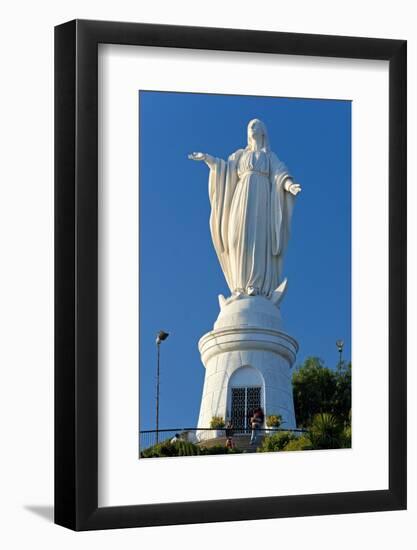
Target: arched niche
(246,391)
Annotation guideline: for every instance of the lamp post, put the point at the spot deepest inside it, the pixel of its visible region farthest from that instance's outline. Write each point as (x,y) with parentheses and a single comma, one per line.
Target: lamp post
(160,337)
(339,345)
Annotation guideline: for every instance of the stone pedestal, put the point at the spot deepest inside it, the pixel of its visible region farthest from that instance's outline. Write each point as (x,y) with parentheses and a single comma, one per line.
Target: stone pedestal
(247,348)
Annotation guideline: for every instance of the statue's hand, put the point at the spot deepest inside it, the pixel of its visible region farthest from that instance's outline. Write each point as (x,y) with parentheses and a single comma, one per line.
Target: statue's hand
(197,156)
(294,189)
(208,159)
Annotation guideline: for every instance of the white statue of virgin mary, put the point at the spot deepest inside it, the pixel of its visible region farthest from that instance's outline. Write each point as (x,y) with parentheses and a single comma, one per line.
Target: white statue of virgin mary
(252,197)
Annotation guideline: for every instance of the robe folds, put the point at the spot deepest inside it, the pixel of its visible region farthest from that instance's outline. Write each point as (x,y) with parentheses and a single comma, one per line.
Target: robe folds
(250,219)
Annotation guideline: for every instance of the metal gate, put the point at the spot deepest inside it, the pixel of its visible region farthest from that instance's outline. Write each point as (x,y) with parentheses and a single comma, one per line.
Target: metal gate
(244,401)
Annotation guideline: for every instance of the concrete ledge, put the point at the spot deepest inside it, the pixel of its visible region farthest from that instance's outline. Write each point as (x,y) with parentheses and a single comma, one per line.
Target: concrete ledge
(249,338)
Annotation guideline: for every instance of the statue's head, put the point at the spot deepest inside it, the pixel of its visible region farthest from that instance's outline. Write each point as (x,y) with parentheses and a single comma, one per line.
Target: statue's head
(257,132)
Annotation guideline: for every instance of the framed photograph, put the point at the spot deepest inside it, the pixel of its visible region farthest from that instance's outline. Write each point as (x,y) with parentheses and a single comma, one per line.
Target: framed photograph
(230,253)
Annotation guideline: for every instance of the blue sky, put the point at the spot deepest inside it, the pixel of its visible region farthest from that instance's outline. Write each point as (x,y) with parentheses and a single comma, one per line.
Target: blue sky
(180,277)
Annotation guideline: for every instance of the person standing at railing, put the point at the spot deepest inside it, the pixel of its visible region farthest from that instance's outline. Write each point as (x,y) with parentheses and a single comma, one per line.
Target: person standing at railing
(256,422)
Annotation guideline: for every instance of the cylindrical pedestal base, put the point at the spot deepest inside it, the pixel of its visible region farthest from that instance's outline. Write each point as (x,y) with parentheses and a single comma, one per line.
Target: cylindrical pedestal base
(248,362)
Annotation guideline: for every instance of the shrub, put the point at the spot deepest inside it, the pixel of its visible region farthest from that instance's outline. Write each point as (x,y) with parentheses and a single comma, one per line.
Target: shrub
(235,451)
(184,448)
(302,443)
(166,448)
(217,422)
(347,432)
(214,450)
(218,450)
(325,432)
(276,442)
(346,437)
(274,420)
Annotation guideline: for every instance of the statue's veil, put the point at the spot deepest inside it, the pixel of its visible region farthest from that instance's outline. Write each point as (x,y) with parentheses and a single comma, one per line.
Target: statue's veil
(265,141)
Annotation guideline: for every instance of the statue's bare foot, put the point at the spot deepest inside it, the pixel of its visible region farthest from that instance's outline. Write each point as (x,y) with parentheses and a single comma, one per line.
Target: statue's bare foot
(252,291)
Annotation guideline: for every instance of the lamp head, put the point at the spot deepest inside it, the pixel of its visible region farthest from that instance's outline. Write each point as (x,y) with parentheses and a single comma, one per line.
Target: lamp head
(161,336)
(340,344)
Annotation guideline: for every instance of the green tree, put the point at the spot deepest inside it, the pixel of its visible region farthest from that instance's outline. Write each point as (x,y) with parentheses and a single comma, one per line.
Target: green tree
(314,387)
(318,389)
(342,401)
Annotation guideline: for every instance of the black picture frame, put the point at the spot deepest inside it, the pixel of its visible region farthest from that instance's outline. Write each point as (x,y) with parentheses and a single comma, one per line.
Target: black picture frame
(76,273)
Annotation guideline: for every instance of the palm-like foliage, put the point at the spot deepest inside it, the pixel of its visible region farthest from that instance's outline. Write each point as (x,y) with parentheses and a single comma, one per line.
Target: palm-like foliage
(325,432)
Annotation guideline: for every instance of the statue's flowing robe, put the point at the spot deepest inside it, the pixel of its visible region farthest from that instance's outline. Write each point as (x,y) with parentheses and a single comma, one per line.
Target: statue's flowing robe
(250,219)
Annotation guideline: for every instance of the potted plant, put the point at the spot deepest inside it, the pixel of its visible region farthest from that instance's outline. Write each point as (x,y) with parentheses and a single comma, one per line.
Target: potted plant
(273,422)
(217,424)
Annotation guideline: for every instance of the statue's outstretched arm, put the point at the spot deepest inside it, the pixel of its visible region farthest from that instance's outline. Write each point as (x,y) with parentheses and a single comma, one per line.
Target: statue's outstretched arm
(208,159)
(279,168)
(292,187)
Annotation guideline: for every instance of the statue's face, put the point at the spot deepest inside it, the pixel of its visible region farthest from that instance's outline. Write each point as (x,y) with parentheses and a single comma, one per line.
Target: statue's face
(255,129)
